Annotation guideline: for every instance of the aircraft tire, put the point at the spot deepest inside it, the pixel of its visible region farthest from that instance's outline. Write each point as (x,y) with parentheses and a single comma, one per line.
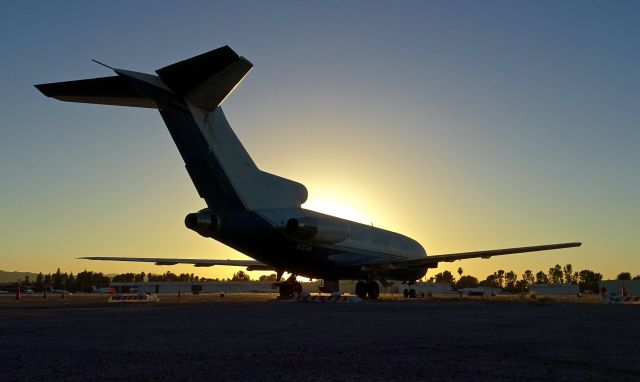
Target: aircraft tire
(405,293)
(361,289)
(285,290)
(296,287)
(373,290)
(412,293)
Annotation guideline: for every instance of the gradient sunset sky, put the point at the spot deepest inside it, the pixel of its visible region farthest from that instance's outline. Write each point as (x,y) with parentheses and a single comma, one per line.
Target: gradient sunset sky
(465,125)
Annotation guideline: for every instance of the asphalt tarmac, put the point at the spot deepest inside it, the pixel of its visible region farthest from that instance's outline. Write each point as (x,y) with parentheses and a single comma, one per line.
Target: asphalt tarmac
(257,338)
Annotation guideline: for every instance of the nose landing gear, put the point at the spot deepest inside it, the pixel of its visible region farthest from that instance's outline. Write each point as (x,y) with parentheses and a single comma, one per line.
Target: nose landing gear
(369,289)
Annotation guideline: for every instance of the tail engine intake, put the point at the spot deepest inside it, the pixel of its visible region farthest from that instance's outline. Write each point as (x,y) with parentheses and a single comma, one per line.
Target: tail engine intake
(204,223)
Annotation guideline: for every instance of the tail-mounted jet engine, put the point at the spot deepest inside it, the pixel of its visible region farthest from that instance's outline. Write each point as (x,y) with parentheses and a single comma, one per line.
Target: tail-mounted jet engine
(204,223)
(322,231)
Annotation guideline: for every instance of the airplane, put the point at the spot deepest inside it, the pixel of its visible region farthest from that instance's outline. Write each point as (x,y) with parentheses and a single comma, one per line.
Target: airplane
(254,212)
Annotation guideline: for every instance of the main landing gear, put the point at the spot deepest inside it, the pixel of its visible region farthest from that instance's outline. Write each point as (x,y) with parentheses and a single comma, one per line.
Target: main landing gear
(289,287)
(369,289)
(409,293)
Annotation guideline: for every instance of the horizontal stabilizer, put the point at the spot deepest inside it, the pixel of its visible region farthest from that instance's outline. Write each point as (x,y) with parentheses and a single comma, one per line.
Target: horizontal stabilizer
(207,79)
(104,90)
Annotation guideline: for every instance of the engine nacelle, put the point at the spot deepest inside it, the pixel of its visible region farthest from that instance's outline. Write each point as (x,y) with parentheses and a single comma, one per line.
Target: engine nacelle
(316,230)
(204,223)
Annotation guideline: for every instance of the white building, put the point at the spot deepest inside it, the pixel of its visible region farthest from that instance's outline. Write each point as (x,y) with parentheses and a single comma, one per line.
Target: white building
(196,287)
(554,289)
(613,287)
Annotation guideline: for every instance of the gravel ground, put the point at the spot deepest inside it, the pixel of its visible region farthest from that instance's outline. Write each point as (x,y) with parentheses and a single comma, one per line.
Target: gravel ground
(82,338)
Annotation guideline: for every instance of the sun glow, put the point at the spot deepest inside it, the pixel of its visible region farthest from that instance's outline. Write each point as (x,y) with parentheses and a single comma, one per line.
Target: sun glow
(338,208)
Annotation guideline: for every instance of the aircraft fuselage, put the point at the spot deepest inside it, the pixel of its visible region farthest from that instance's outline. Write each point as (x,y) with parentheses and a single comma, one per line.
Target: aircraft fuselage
(335,249)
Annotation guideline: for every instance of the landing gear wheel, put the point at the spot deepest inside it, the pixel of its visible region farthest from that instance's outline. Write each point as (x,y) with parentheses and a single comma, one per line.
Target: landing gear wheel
(361,289)
(412,293)
(373,290)
(296,287)
(289,287)
(285,289)
(405,293)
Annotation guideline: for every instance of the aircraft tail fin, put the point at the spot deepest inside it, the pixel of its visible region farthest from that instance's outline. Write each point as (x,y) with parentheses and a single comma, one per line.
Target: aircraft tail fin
(207,79)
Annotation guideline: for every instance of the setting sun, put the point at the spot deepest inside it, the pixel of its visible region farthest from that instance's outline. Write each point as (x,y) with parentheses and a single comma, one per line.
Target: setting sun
(337,208)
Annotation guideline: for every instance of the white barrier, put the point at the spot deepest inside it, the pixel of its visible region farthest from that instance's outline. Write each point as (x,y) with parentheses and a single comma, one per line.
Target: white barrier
(133,298)
(306,297)
(631,300)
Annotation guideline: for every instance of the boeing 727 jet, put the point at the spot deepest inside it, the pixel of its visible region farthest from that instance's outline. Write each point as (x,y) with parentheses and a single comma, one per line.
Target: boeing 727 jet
(249,210)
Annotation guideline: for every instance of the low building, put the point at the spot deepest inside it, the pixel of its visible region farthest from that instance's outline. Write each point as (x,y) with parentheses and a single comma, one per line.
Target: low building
(196,287)
(621,287)
(480,291)
(426,288)
(396,287)
(554,289)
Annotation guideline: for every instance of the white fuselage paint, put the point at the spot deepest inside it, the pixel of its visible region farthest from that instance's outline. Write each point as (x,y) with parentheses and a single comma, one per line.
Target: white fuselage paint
(255,188)
(361,242)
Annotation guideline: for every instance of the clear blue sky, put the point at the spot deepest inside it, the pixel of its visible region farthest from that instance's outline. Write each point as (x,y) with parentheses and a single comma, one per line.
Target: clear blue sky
(466,125)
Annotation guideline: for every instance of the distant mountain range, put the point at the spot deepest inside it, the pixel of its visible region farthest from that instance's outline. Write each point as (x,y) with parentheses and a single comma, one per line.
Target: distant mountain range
(6,277)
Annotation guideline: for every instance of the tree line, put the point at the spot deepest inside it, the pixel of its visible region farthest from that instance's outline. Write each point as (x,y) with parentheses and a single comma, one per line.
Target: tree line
(587,280)
(84,280)
(508,281)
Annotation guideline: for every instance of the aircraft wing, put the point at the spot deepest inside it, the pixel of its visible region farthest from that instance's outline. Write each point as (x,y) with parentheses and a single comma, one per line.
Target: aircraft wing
(432,261)
(251,265)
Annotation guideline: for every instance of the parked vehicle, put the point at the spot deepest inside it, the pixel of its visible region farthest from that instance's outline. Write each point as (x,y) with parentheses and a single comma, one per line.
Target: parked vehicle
(58,291)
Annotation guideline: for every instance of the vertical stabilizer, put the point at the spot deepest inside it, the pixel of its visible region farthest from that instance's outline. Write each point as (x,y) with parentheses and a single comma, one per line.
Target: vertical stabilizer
(256,189)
